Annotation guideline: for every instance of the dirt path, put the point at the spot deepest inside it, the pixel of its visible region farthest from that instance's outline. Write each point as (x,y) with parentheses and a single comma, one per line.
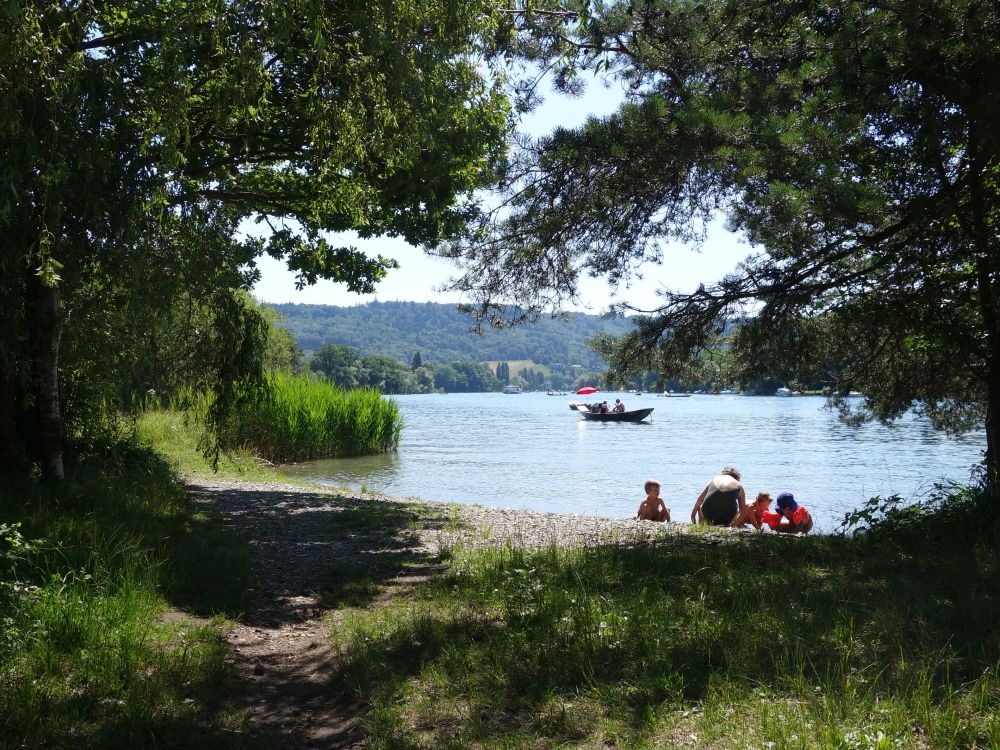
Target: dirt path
(319,553)
(309,547)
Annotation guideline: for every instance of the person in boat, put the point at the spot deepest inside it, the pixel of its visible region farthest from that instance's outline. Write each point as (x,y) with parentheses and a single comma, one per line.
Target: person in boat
(604,407)
(759,512)
(723,501)
(653,507)
(619,407)
(798,519)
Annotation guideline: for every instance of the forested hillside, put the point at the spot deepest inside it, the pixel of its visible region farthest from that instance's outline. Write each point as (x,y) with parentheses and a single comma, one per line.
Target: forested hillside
(441,334)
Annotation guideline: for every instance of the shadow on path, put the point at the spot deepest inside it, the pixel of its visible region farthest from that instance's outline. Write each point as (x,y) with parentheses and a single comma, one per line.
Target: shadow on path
(314,553)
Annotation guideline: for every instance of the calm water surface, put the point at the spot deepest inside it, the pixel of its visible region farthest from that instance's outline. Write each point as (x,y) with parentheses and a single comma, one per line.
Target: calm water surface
(530,451)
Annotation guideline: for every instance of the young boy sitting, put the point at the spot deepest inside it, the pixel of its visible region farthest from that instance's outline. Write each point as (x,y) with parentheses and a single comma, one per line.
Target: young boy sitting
(652,508)
(799,520)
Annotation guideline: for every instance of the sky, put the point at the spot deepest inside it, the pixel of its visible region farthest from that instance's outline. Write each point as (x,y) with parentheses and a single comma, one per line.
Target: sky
(420,277)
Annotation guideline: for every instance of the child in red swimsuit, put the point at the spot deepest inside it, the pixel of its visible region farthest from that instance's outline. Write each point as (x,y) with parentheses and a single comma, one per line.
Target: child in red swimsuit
(759,511)
(799,520)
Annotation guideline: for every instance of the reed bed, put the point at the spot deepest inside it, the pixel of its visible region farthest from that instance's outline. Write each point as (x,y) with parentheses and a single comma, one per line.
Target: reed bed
(299,419)
(303,418)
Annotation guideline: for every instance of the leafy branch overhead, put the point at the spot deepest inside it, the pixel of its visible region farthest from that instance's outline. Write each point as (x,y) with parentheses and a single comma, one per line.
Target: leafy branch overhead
(140,136)
(854,146)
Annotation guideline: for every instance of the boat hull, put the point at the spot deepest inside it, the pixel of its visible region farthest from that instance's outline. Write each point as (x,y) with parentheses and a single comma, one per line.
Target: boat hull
(637,415)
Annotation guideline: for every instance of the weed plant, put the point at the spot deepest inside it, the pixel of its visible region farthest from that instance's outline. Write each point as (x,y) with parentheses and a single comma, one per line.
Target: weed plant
(714,640)
(88,570)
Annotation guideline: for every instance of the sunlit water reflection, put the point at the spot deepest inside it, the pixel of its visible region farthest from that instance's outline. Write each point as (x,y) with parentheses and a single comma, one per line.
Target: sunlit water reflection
(530,451)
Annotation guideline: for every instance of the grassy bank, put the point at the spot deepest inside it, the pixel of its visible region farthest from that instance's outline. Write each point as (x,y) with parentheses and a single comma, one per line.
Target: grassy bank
(174,435)
(886,640)
(92,572)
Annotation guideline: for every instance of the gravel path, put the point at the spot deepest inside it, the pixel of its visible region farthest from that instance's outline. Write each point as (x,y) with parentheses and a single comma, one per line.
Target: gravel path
(309,544)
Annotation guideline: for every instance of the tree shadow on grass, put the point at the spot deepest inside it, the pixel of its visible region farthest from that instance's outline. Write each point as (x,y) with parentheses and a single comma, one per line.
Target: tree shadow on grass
(634,627)
(315,551)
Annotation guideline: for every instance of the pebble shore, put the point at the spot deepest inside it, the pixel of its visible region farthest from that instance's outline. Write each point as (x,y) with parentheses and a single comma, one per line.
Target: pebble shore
(466,525)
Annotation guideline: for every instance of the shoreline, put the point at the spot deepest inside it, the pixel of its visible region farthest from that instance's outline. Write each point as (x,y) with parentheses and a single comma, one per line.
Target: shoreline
(474,525)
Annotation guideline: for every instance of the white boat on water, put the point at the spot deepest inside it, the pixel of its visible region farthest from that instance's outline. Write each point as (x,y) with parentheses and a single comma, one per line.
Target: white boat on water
(673,394)
(786,392)
(511,389)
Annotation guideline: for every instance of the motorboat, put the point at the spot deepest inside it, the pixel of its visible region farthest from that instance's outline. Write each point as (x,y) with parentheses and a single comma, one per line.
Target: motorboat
(511,389)
(673,394)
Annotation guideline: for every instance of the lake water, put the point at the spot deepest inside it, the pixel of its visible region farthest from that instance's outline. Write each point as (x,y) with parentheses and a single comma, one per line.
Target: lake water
(530,451)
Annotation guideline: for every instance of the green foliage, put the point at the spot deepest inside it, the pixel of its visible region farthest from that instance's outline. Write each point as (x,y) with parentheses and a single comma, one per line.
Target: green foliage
(756,641)
(87,658)
(138,138)
(341,365)
(338,363)
(442,335)
(301,418)
(175,434)
(853,146)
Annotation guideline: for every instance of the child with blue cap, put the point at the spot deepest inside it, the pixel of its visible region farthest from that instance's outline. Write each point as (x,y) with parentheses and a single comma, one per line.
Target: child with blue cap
(799,520)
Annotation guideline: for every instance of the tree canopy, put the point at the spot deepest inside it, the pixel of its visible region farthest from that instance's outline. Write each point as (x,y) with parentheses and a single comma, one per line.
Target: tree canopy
(854,144)
(139,136)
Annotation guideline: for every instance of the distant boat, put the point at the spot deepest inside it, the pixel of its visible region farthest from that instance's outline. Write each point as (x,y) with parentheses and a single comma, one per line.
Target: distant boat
(727,392)
(636,415)
(511,389)
(786,392)
(673,394)
(556,393)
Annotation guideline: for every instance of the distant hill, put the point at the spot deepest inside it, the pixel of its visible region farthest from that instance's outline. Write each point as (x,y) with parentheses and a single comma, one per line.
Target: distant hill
(441,334)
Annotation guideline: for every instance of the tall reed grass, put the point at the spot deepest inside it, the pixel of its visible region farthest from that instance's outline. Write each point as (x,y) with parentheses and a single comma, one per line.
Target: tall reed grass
(300,418)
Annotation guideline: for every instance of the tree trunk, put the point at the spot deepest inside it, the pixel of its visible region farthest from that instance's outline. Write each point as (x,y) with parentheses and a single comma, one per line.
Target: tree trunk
(987,279)
(987,305)
(10,441)
(44,323)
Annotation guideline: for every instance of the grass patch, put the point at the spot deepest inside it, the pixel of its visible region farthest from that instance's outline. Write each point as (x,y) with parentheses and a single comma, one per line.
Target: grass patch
(88,570)
(823,642)
(175,436)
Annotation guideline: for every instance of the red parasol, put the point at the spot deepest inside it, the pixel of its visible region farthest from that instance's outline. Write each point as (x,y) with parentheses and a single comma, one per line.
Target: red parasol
(586,390)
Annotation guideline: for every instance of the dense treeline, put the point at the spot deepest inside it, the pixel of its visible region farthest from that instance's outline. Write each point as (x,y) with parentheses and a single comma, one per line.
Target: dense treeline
(342,366)
(441,333)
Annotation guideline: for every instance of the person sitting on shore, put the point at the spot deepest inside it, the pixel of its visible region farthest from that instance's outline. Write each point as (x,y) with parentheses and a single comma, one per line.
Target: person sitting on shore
(619,407)
(759,512)
(723,501)
(798,518)
(653,508)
